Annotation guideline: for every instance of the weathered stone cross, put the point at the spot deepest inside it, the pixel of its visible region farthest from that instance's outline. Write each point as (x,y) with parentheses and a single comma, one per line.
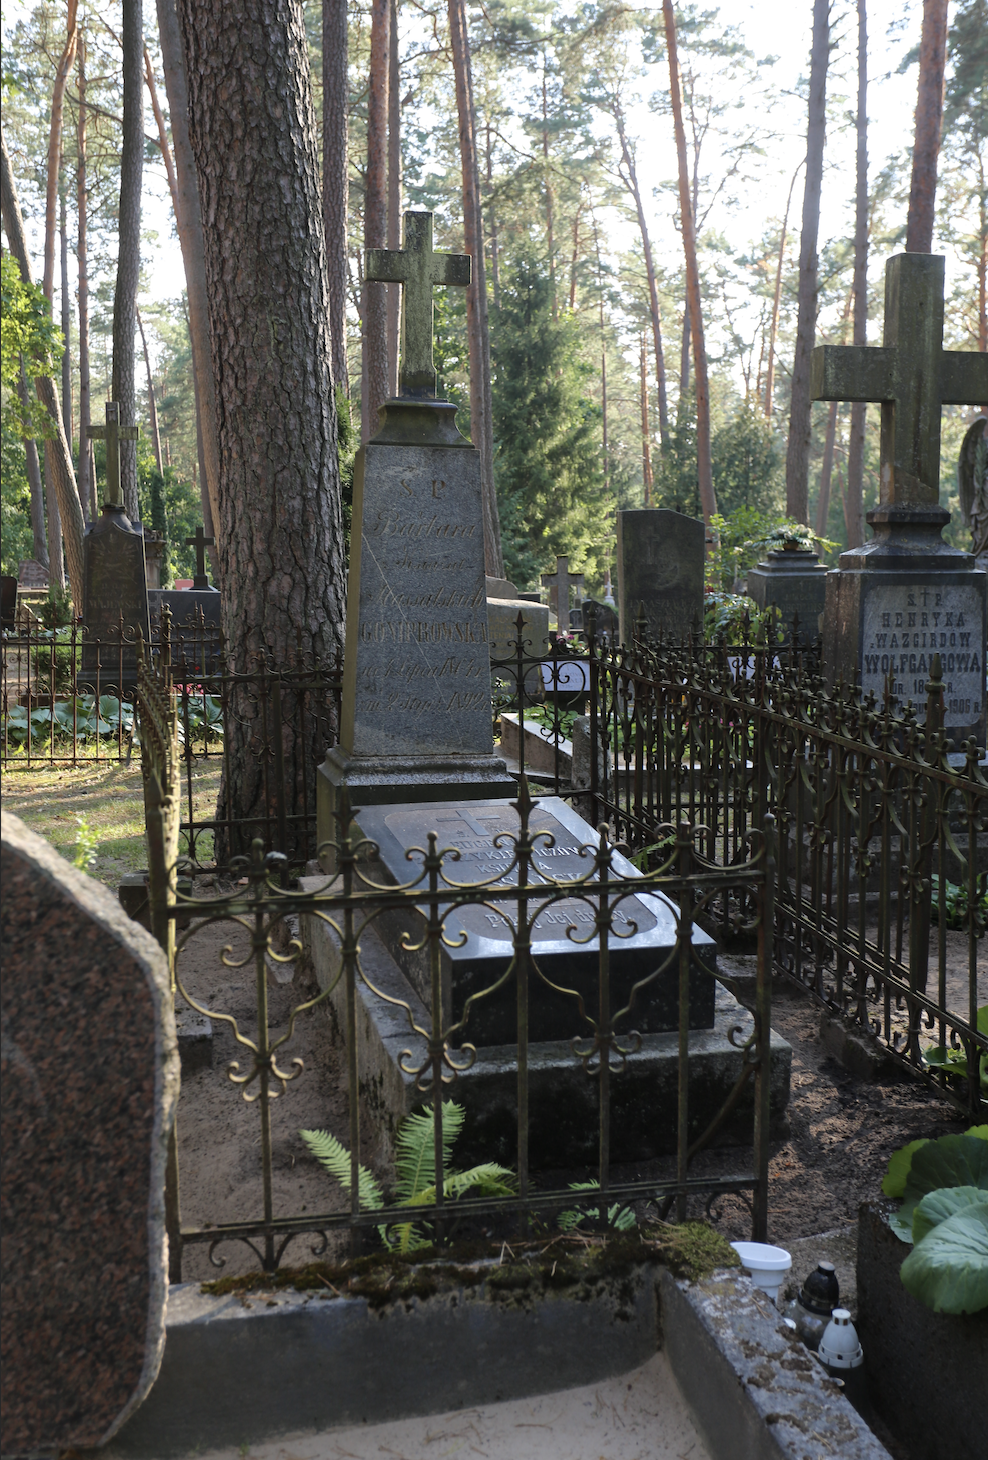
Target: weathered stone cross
(911,374)
(559,584)
(113,433)
(200,542)
(418,269)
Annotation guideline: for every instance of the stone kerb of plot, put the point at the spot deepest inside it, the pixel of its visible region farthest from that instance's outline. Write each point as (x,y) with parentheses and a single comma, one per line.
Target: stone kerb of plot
(90,1081)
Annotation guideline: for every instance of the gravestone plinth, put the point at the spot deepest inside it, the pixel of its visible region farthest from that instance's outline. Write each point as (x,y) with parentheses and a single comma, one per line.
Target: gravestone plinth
(660,571)
(115,598)
(471,827)
(793,581)
(90,1083)
(416,716)
(906,595)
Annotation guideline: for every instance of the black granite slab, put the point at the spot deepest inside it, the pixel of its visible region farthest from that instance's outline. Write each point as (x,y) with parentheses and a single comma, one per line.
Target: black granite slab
(643,938)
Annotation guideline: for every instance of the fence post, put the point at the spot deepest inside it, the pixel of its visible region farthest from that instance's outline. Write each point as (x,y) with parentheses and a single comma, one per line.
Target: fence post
(763,1032)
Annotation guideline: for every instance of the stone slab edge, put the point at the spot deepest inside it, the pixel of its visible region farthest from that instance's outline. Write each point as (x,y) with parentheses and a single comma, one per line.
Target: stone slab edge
(240,1370)
(101,905)
(755,1392)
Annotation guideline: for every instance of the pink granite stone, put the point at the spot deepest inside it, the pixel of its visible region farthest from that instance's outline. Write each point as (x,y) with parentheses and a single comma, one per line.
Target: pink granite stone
(90,1078)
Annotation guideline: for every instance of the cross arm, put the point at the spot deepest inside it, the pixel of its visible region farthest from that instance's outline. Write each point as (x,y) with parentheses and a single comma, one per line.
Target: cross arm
(123,433)
(852,372)
(453,268)
(386,266)
(964,378)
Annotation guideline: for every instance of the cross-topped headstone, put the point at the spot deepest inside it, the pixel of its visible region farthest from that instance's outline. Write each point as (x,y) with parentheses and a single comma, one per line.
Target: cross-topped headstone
(911,374)
(113,433)
(200,542)
(559,585)
(418,269)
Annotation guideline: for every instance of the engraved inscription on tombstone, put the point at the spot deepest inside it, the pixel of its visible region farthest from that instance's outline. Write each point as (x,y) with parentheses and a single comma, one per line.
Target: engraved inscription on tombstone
(903,626)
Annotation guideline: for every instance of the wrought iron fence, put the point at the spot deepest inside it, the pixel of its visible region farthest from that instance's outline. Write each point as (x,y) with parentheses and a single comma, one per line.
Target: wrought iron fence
(597,1023)
(883,830)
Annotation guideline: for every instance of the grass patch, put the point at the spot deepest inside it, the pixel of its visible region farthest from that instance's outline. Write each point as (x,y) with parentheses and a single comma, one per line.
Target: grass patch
(110,799)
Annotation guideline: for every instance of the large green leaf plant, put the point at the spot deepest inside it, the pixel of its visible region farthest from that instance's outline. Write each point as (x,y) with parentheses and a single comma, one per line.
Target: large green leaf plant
(943,1185)
(415,1183)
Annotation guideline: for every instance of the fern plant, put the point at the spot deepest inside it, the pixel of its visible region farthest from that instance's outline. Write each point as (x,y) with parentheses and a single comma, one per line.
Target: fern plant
(415,1166)
(621,1218)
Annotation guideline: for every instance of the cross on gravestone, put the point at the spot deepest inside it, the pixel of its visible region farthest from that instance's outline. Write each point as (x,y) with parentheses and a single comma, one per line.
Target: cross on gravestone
(559,585)
(911,374)
(113,433)
(418,269)
(200,542)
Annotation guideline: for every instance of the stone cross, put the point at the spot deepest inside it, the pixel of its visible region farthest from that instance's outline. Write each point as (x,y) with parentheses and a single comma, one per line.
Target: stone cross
(418,269)
(911,374)
(113,433)
(200,542)
(559,584)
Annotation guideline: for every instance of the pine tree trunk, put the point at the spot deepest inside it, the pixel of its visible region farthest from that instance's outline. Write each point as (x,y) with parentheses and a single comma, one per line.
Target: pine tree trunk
(152,403)
(33,468)
(374,373)
(394,193)
(188,220)
(335,175)
(646,429)
(62,71)
(603,354)
(826,471)
(56,564)
(86,485)
(57,454)
(66,311)
(798,448)
(929,113)
(854,498)
(129,244)
(478,333)
(776,302)
(280,526)
(631,183)
(708,498)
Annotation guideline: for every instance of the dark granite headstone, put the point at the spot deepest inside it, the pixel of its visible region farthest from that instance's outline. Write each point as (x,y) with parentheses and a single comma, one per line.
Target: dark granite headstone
(471,827)
(606,618)
(195,627)
(660,567)
(116,590)
(90,1082)
(794,581)
(8,601)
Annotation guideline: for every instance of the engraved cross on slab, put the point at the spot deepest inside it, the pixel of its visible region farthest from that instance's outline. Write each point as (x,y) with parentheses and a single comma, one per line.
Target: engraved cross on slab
(200,542)
(113,433)
(911,374)
(418,269)
(559,584)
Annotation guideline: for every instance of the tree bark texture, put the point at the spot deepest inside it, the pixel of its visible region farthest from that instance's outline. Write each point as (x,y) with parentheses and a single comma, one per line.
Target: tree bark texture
(826,471)
(129,244)
(374,374)
(854,495)
(66,312)
(776,302)
(62,72)
(86,492)
(646,428)
(33,467)
(708,498)
(56,565)
(394,192)
(152,403)
(631,183)
(478,332)
(188,220)
(929,113)
(335,176)
(280,524)
(798,447)
(57,451)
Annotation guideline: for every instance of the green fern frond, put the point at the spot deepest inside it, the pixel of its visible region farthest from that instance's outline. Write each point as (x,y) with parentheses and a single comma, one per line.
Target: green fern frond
(620,1218)
(488,1179)
(414,1146)
(336,1159)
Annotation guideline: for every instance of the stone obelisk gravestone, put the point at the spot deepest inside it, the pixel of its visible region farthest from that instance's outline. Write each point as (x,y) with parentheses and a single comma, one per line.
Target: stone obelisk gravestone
(561,584)
(116,575)
(660,567)
(906,595)
(90,1084)
(195,611)
(416,714)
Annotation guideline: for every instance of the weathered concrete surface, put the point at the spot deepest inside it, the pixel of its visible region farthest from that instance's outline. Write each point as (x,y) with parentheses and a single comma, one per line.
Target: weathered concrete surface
(927,1372)
(755,1391)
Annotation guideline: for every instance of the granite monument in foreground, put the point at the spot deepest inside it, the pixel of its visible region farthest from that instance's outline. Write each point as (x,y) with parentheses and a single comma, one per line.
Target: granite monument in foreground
(90,1084)
(416,715)
(906,595)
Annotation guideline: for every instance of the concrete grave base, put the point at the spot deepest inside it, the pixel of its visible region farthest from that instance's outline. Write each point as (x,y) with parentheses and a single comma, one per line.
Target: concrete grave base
(241,1370)
(563,1099)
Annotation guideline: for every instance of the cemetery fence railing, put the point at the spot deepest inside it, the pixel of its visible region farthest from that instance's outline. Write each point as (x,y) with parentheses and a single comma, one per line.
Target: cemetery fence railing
(261,916)
(882,824)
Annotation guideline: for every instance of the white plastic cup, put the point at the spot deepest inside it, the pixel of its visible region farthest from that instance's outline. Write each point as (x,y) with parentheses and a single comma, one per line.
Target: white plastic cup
(767,1266)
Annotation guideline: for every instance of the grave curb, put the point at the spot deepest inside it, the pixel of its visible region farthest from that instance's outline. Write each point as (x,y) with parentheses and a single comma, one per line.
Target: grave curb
(244,1369)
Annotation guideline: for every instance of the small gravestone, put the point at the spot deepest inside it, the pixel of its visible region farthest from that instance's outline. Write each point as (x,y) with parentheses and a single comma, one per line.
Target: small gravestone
(32,574)
(660,572)
(793,581)
(90,1083)
(115,599)
(561,585)
(903,597)
(503,607)
(8,601)
(416,720)
(605,618)
(154,557)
